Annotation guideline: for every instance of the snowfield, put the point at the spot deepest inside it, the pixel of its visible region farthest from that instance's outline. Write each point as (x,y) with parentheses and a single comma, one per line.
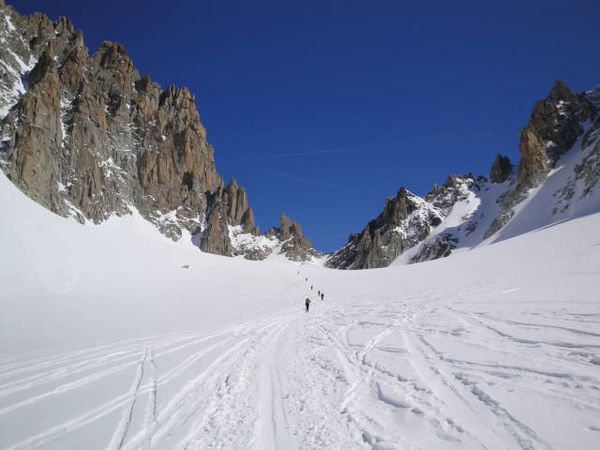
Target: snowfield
(113,337)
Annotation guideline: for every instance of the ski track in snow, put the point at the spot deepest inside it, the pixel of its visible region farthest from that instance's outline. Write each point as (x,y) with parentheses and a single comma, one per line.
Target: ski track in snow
(399,373)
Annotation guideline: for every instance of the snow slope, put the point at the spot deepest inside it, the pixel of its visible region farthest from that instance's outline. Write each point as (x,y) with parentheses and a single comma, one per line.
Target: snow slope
(466,220)
(559,198)
(107,341)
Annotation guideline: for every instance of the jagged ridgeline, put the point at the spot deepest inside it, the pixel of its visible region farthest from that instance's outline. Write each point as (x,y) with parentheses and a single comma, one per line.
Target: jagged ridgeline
(87,136)
(563,130)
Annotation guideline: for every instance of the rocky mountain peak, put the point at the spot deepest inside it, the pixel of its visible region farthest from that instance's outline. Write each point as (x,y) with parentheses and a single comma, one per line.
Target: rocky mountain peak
(64,25)
(395,210)
(555,124)
(289,229)
(87,136)
(295,245)
(112,54)
(454,189)
(560,91)
(406,219)
(552,129)
(501,169)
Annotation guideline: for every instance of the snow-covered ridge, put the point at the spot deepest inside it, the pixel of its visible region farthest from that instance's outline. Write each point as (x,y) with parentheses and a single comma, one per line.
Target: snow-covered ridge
(246,243)
(557,179)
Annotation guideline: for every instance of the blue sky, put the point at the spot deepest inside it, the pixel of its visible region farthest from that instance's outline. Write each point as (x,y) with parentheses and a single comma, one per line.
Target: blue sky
(322,109)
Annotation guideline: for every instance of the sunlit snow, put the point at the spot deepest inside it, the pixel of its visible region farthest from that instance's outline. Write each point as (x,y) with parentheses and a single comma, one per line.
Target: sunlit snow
(113,336)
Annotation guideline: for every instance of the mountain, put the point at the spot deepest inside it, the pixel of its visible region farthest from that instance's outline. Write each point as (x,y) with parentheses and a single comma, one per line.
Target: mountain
(556,179)
(115,337)
(88,136)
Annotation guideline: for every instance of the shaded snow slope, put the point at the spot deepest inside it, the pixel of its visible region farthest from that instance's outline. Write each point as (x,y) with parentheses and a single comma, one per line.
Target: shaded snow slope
(106,341)
(563,195)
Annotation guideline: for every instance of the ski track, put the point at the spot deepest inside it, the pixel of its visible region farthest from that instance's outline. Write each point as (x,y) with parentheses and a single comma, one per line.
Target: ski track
(418,372)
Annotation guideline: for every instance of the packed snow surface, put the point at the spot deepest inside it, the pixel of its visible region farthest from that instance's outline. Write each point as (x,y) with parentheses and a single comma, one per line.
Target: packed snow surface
(113,337)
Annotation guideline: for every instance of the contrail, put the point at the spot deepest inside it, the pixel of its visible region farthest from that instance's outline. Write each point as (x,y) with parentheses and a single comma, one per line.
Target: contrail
(293,155)
(309,181)
(311,153)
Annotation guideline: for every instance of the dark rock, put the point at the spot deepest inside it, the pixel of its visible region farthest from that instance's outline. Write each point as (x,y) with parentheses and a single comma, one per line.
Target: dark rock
(501,169)
(441,247)
(294,245)
(553,128)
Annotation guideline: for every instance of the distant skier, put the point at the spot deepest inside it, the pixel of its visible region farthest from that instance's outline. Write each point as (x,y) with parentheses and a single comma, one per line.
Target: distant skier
(307,303)
(322,296)
(306,279)
(318,293)
(311,286)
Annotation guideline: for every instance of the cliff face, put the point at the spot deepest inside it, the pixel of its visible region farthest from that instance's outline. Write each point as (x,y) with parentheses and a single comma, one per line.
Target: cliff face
(554,125)
(406,220)
(86,135)
(90,136)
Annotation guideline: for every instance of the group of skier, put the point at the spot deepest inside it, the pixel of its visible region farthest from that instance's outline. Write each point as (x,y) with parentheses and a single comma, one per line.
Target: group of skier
(320,295)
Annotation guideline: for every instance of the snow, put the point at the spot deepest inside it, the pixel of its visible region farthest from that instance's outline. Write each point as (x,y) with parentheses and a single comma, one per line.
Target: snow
(13,87)
(9,23)
(65,105)
(560,197)
(547,204)
(242,241)
(423,210)
(478,208)
(108,341)
(111,168)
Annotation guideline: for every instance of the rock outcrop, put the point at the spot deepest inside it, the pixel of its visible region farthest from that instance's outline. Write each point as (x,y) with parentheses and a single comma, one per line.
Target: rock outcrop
(86,135)
(555,124)
(227,208)
(406,220)
(294,245)
(501,169)
(407,224)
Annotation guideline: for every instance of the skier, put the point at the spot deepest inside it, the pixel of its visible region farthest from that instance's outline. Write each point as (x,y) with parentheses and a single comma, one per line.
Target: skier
(322,296)
(318,293)
(307,303)
(311,286)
